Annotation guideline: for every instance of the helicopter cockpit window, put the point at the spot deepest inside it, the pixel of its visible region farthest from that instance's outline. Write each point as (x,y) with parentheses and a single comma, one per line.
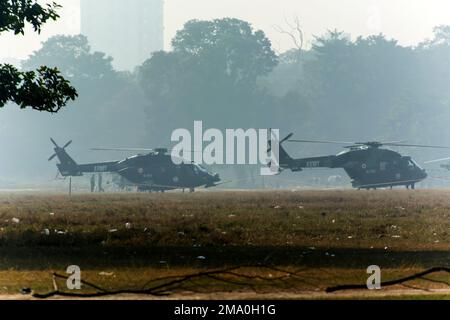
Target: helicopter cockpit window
(199,168)
(415,164)
(411,163)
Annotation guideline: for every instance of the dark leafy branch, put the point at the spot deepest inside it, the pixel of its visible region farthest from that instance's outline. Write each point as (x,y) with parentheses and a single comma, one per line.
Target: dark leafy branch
(42,90)
(14,14)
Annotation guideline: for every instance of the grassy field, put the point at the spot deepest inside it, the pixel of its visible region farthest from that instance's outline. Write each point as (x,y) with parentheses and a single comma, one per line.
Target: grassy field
(124,240)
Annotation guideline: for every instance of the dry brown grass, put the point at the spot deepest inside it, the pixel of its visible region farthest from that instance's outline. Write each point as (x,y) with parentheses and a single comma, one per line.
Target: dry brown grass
(333,235)
(398,220)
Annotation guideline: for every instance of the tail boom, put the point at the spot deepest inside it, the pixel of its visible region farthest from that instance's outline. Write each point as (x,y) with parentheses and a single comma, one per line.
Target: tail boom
(69,168)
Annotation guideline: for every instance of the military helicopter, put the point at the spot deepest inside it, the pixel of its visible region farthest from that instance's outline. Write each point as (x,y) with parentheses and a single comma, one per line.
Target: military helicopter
(366,163)
(153,171)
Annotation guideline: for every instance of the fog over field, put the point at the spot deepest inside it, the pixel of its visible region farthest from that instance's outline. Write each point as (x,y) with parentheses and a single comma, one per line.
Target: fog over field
(366,70)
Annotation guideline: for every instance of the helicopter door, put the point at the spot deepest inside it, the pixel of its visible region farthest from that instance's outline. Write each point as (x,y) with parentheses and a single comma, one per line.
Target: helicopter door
(178,174)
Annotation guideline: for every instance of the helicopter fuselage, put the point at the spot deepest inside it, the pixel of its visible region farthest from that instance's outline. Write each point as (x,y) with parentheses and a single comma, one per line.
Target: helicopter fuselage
(368,167)
(155,171)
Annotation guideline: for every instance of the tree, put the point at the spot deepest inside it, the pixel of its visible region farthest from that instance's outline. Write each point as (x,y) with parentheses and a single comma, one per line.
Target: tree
(77,63)
(211,74)
(441,36)
(108,99)
(228,47)
(44,89)
(74,58)
(295,33)
(355,86)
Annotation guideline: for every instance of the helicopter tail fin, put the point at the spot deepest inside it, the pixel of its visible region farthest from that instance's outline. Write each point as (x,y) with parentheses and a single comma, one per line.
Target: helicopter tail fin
(67,166)
(285,160)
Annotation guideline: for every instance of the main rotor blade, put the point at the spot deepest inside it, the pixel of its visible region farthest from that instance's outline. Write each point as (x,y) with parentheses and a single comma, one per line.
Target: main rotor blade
(287,138)
(67,144)
(134,149)
(121,149)
(52,157)
(392,144)
(380,143)
(54,142)
(437,160)
(396,142)
(415,145)
(321,141)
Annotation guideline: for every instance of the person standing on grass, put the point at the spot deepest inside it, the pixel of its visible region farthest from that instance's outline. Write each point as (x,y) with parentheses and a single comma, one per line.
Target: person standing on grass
(93,183)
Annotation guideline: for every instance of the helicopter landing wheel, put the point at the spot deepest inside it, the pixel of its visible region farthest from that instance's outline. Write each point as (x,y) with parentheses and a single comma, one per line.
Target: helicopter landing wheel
(191,190)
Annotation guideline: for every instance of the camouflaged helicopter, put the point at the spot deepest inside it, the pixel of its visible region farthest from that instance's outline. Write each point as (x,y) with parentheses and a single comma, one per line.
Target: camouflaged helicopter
(152,171)
(368,165)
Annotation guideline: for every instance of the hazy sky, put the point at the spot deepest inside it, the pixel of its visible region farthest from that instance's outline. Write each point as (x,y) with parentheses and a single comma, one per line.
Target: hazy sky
(409,21)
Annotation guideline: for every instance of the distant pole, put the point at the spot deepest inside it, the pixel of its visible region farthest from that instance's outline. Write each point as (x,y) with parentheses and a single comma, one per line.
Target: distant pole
(70,186)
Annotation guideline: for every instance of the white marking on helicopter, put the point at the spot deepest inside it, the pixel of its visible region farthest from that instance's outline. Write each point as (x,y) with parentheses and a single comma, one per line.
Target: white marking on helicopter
(100,168)
(313,164)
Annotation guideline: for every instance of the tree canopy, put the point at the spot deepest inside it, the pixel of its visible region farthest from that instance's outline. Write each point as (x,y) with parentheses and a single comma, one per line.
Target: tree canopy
(211,74)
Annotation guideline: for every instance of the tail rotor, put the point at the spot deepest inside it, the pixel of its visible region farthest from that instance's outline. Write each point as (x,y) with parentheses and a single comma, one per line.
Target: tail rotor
(58,148)
(281,142)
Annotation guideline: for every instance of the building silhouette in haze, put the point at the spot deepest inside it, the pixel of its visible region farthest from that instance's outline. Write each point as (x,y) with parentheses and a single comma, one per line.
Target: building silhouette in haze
(129,31)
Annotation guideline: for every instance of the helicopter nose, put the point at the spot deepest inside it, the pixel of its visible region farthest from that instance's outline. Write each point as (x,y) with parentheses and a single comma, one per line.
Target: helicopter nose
(422,174)
(216,177)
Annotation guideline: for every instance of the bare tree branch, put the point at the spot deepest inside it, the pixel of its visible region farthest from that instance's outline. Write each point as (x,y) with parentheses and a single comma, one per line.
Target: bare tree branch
(294,32)
(419,275)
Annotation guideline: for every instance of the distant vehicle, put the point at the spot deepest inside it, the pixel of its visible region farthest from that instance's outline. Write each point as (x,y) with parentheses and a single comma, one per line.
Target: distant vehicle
(153,171)
(334,180)
(366,163)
